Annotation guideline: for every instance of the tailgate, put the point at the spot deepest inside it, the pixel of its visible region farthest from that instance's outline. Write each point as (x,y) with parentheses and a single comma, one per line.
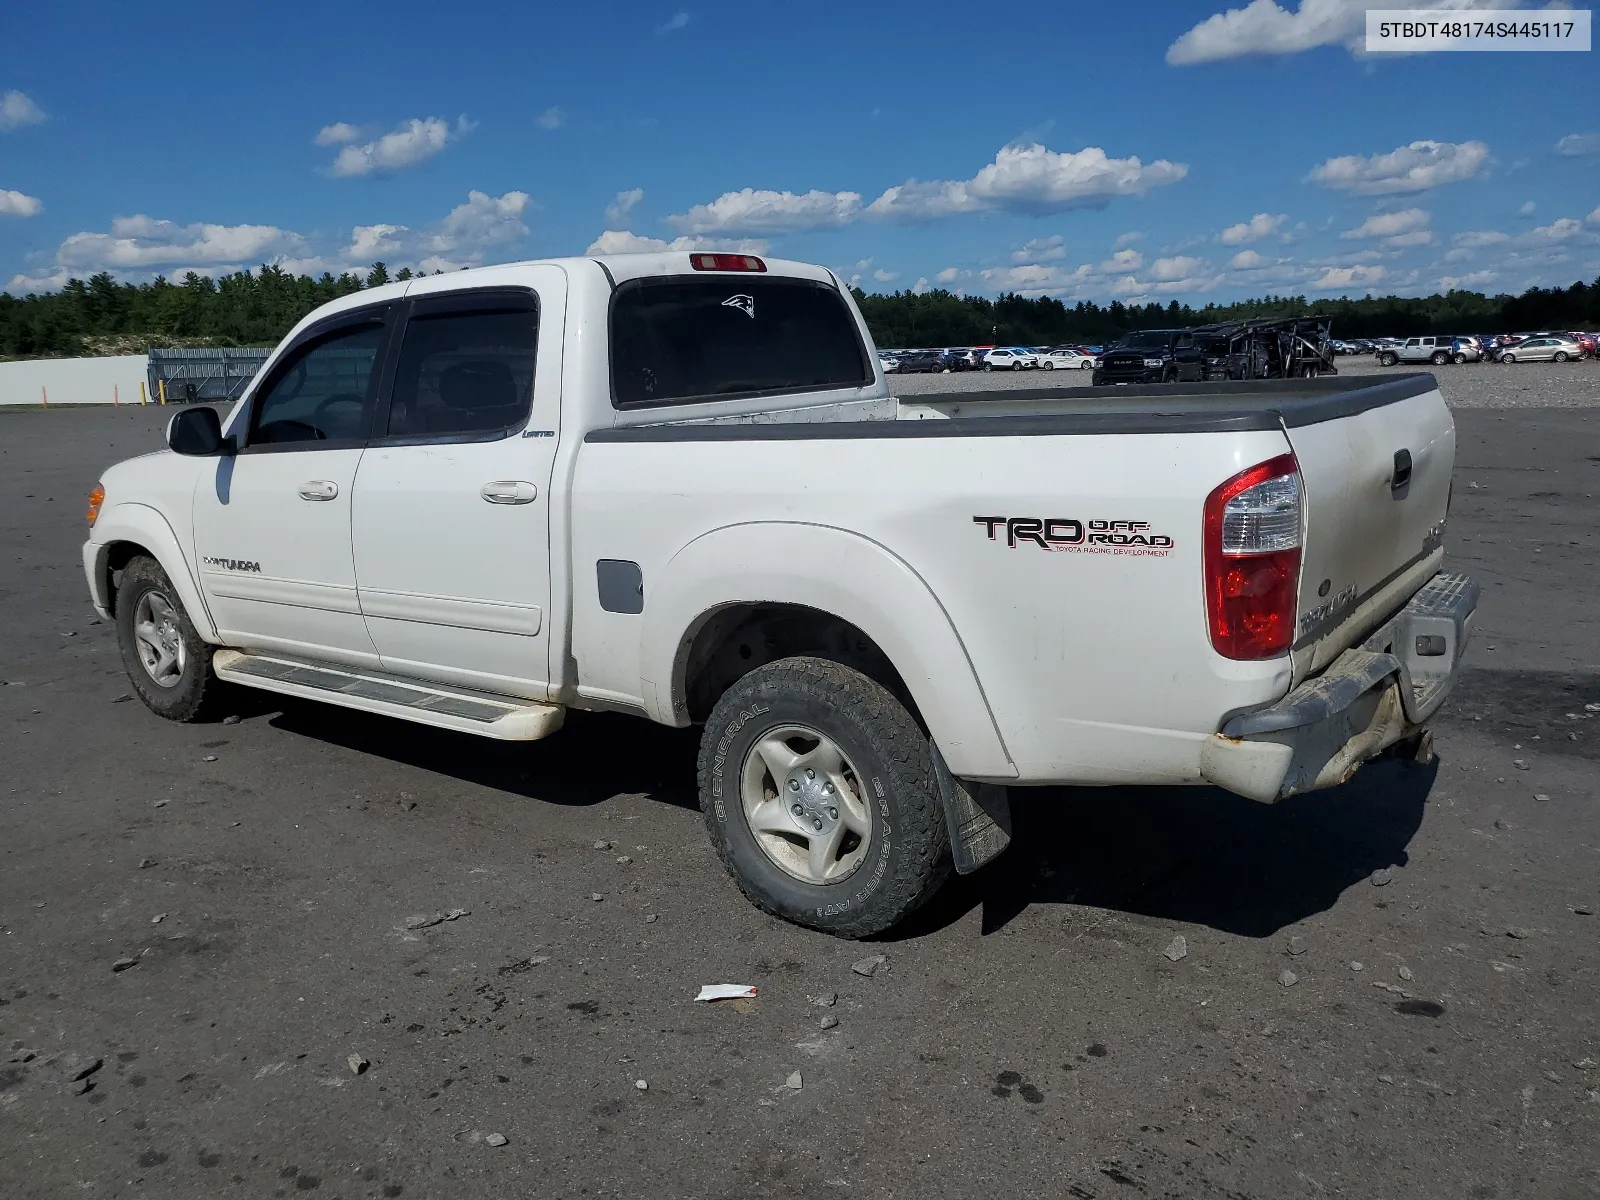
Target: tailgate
(1377,485)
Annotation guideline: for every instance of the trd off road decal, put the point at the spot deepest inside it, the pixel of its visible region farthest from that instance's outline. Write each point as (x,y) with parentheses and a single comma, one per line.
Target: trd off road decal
(1072,536)
(232,564)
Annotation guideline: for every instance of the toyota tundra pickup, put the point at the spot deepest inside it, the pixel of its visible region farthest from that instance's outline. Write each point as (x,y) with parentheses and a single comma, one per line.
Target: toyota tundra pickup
(677,486)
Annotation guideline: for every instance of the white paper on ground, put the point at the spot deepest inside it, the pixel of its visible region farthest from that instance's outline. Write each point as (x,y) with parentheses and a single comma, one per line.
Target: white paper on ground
(725,991)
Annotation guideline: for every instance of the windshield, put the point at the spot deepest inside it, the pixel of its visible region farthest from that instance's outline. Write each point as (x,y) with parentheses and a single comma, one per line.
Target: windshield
(1149,340)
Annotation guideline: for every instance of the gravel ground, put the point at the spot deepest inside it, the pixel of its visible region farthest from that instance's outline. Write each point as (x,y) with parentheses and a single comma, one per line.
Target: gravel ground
(1476,385)
(1389,988)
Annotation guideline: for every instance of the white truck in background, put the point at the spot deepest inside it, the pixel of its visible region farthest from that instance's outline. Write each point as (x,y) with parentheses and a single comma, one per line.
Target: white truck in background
(676,485)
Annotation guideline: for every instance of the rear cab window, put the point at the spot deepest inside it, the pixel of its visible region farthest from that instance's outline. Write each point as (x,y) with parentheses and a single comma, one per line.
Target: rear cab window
(723,337)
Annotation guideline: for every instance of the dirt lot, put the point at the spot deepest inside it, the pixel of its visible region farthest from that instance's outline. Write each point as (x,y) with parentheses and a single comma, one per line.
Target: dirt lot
(1026,1037)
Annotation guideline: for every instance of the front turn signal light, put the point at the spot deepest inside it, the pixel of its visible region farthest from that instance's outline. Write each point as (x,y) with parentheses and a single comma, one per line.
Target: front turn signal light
(96,499)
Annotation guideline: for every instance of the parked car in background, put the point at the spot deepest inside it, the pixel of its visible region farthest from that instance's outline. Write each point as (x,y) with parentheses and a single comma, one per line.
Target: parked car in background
(891,364)
(1465,348)
(958,358)
(1586,343)
(927,361)
(1066,358)
(1147,356)
(1555,348)
(1435,350)
(1007,358)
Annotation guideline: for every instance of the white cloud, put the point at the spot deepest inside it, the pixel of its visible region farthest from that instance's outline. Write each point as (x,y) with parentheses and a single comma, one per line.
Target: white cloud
(1123,260)
(1414,168)
(18,204)
(337,134)
(1166,270)
(1576,144)
(404,146)
(618,211)
(1048,249)
(951,274)
(1035,279)
(1594,217)
(753,211)
(1527,208)
(883,276)
(553,117)
(1263,27)
(1257,227)
(1245,260)
(920,287)
(1127,239)
(1347,277)
(16,110)
(1557,231)
(1417,237)
(1390,224)
(1451,283)
(140,246)
(620,241)
(674,23)
(1478,239)
(1028,179)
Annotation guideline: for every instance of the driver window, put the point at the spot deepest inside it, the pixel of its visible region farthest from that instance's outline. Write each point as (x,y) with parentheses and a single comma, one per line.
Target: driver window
(325,391)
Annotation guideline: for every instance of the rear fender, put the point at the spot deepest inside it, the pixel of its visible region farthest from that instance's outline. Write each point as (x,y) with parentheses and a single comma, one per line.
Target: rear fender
(145,526)
(836,572)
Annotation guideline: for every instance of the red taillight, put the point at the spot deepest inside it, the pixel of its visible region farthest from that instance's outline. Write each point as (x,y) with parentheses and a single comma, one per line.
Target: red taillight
(1252,539)
(726,262)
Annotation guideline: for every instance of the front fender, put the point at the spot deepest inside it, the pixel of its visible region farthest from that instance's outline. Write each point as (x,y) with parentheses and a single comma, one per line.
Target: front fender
(144,526)
(836,572)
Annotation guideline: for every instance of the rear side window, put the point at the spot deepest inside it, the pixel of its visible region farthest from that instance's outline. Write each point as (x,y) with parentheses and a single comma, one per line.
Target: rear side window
(723,337)
(466,371)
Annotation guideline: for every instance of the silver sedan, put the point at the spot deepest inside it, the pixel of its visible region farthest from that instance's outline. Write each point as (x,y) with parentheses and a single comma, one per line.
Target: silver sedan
(1543,349)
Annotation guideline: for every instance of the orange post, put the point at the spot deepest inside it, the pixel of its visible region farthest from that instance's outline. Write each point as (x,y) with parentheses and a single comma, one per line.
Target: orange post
(116,397)
(44,397)
(142,400)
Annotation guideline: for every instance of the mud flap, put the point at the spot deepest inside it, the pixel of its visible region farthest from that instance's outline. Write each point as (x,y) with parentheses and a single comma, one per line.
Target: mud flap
(978,816)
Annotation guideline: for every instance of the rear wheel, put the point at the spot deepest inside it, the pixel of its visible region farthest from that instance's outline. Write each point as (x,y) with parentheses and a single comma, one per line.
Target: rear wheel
(1561,356)
(818,791)
(1439,358)
(988,366)
(1508,358)
(166,660)
(1049,366)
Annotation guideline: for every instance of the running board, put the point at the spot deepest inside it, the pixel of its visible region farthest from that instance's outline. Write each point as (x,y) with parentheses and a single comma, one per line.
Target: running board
(505,718)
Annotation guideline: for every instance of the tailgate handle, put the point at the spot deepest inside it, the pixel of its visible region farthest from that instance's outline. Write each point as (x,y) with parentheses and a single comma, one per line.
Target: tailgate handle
(1401,479)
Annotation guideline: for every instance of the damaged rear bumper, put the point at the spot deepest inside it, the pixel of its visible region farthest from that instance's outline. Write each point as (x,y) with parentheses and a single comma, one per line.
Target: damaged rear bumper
(1370,697)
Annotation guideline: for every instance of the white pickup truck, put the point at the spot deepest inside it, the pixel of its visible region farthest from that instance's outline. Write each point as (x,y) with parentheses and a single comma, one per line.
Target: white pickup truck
(676,485)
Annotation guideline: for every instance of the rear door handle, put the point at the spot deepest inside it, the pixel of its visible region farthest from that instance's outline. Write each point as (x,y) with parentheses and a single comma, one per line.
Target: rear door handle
(318,489)
(509,491)
(1401,479)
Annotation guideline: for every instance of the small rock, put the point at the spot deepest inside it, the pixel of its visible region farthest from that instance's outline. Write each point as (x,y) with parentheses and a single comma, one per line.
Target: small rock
(1553,1076)
(1385,1078)
(602,844)
(596,897)
(422,921)
(356,1063)
(1097,1050)
(455,914)
(1381,877)
(146,862)
(83,1087)
(209,758)
(1541,797)
(794,1083)
(1499,824)
(231,720)
(161,803)
(826,1000)
(1288,978)
(495,1139)
(1296,946)
(1582,910)
(122,699)
(829,1022)
(1586,1064)
(1355,966)
(82,1068)
(1178,948)
(158,918)
(1520,764)
(651,918)
(868,967)
(623,860)
(122,964)
(1406,974)
(1516,931)
(406,805)
(642,1085)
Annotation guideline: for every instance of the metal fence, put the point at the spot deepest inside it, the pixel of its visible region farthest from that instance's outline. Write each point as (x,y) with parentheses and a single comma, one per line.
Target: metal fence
(200,376)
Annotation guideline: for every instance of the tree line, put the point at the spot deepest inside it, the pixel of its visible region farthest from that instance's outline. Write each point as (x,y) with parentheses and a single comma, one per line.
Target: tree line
(256,308)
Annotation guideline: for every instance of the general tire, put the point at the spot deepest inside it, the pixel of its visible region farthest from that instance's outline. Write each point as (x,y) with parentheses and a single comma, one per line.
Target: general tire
(1387,360)
(196,693)
(908,853)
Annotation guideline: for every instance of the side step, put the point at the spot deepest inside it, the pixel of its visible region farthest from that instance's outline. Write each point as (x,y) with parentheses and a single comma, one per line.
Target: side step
(505,718)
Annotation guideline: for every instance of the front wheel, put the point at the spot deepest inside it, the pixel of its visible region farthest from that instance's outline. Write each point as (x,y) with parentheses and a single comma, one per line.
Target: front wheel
(1387,360)
(988,366)
(1086,365)
(818,791)
(1508,358)
(1460,360)
(167,662)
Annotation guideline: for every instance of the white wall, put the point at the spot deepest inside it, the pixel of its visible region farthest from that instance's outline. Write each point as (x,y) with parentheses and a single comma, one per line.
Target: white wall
(74,380)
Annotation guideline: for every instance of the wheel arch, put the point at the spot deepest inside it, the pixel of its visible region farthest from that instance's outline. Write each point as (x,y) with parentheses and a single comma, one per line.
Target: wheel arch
(128,530)
(859,602)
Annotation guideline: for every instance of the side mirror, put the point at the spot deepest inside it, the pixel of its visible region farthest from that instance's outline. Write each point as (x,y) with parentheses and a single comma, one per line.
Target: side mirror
(197,432)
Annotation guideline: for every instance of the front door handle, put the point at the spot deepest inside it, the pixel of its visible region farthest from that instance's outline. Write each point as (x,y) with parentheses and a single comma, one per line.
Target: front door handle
(509,491)
(319,489)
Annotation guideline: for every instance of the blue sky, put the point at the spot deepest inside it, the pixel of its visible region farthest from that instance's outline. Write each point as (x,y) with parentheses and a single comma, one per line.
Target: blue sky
(1133,151)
